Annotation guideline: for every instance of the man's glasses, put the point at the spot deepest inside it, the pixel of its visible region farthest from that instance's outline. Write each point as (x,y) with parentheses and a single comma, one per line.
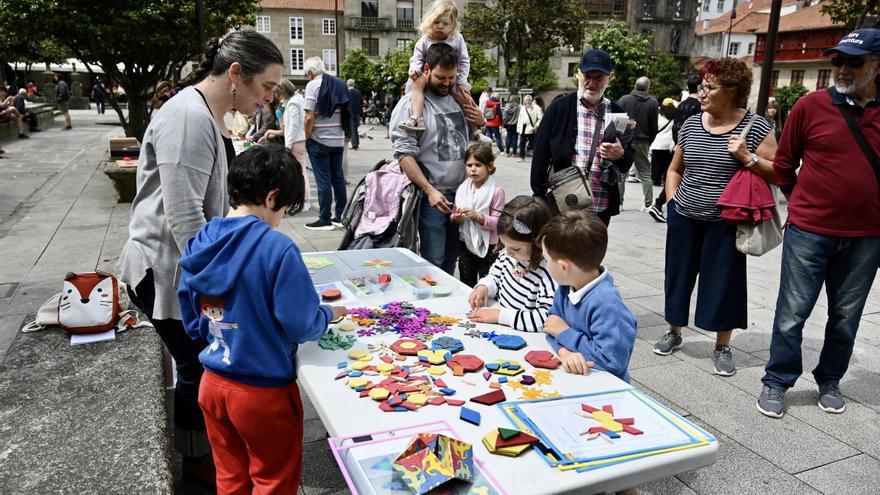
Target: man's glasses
(853,63)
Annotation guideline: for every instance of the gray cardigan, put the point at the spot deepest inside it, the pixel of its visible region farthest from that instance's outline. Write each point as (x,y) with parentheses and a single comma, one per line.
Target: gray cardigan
(181,184)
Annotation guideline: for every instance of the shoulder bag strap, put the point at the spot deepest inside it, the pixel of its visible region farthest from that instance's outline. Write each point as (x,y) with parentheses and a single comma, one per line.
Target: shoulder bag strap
(748,127)
(863,144)
(593,146)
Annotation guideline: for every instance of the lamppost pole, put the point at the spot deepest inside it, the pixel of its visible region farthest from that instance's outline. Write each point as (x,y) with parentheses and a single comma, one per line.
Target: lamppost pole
(200,22)
(769,57)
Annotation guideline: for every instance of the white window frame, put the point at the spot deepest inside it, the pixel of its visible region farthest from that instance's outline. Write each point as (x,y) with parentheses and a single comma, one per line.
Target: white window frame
(267,21)
(328,56)
(302,59)
(733,49)
(297,22)
(720,6)
(328,27)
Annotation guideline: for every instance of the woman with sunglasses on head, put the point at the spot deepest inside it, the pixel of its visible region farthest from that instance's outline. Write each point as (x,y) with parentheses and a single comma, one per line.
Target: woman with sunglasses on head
(698,241)
(518,279)
(181,182)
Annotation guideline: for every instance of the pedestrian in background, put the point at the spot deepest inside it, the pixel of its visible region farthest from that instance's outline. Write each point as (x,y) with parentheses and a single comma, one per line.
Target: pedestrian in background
(642,108)
(511,118)
(62,99)
(356,102)
(661,156)
(530,116)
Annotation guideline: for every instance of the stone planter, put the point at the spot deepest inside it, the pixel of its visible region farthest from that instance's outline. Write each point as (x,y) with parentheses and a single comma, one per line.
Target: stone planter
(124,180)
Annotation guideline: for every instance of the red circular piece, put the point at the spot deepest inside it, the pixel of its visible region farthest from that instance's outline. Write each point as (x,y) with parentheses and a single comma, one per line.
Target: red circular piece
(331,295)
(408,347)
(468,362)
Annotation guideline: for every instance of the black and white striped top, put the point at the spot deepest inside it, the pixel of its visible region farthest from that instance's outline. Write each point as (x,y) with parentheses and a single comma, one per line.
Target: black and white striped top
(708,167)
(525,296)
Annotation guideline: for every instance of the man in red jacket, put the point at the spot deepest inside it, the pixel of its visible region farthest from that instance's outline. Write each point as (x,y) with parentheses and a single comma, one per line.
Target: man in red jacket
(833,235)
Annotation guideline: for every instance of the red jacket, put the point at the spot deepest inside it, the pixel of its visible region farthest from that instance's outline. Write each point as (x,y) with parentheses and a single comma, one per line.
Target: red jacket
(836,192)
(497,121)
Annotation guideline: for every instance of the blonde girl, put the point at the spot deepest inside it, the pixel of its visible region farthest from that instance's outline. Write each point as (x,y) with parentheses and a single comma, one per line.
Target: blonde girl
(439,25)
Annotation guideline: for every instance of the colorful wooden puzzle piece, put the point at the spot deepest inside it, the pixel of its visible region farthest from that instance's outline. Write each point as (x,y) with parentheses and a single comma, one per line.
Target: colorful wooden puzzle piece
(377,263)
(317,263)
(491,398)
(609,425)
(470,416)
(543,359)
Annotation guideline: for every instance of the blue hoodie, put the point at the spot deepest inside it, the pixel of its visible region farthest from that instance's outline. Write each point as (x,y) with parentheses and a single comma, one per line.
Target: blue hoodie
(602,328)
(244,289)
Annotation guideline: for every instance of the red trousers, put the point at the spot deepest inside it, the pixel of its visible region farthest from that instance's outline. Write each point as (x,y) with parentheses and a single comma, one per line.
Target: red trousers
(256,434)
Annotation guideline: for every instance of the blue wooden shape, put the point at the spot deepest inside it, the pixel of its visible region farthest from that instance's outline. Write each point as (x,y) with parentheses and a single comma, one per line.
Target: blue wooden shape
(469,415)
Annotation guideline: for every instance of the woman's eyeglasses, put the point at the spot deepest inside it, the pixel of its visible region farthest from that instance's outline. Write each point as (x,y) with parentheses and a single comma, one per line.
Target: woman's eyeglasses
(853,63)
(706,88)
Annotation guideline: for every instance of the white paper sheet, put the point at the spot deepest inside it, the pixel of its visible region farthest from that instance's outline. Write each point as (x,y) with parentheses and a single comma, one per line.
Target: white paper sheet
(79,339)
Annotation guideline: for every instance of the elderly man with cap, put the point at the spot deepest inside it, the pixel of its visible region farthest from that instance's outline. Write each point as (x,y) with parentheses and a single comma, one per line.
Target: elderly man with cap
(833,235)
(569,128)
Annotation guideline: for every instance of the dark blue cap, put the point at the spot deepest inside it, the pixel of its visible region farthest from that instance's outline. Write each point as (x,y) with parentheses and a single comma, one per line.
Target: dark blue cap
(596,60)
(858,42)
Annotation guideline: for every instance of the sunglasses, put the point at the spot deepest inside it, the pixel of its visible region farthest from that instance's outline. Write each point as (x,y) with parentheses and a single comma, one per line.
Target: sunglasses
(853,63)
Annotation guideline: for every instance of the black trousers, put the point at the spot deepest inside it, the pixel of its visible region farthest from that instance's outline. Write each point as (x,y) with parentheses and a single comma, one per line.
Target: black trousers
(471,268)
(187,414)
(660,160)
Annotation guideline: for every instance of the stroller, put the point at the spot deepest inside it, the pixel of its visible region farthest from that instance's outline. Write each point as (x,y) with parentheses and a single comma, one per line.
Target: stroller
(385,224)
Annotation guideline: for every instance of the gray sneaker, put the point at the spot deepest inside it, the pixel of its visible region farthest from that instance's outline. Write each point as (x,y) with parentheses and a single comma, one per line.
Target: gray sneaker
(771,402)
(724,362)
(830,399)
(670,342)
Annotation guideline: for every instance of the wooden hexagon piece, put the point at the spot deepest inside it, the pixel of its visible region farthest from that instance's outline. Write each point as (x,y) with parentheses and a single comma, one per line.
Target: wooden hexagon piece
(543,359)
(408,347)
(467,362)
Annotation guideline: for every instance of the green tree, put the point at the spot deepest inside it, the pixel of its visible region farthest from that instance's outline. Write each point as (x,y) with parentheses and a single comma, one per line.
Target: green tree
(137,43)
(849,12)
(363,70)
(539,75)
(633,57)
(482,68)
(787,96)
(524,30)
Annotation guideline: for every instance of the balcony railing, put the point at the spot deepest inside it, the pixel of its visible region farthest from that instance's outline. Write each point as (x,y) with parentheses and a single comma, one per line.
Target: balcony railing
(369,23)
(406,25)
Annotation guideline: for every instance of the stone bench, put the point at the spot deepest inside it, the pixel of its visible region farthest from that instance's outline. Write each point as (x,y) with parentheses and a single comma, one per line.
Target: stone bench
(45,117)
(85,419)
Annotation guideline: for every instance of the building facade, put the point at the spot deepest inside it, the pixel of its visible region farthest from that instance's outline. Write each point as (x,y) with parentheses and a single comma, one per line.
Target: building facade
(803,36)
(377,26)
(302,29)
(669,22)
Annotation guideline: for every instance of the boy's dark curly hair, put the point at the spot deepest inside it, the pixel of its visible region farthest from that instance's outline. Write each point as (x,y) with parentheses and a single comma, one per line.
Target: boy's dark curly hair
(262,169)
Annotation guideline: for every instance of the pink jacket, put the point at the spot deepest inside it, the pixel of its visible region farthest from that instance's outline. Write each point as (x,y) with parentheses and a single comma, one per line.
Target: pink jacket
(384,188)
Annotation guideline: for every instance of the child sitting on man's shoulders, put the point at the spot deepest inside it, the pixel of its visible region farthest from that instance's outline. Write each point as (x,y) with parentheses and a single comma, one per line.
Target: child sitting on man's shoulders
(589,324)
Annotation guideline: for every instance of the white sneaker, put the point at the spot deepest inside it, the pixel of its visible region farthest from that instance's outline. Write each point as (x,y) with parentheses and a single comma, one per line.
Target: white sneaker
(306,207)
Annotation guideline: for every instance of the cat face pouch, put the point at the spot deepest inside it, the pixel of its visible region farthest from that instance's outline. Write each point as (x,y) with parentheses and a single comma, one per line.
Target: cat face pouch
(89,302)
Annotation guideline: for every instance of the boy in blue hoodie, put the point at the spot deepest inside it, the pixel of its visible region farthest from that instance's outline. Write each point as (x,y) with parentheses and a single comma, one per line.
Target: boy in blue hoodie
(245,290)
(589,324)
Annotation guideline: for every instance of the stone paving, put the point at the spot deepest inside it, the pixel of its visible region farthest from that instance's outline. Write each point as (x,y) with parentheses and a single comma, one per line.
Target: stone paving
(58,214)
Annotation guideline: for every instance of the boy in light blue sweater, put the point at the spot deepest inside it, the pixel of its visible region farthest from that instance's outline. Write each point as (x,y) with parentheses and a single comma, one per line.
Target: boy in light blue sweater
(589,325)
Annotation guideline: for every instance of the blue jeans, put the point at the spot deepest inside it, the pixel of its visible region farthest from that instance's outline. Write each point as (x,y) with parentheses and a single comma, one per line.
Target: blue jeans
(846,266)
(329,179)
(494,133)
(438,236)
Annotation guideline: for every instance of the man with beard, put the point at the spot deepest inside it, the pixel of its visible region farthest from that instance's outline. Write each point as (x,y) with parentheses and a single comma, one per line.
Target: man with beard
(440,150)
(568,129)
(833,235)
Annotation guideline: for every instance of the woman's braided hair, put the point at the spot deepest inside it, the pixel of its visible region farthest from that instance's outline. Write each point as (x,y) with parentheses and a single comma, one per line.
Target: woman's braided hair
(253,51)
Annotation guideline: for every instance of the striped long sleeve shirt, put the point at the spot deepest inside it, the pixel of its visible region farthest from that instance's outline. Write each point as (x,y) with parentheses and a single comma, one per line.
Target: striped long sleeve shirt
(525,296)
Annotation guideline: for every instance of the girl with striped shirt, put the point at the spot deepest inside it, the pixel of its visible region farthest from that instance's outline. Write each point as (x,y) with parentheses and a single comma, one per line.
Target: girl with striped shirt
(518,279)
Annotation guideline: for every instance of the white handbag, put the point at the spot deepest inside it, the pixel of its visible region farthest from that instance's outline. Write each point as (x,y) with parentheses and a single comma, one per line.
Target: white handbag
(758,239)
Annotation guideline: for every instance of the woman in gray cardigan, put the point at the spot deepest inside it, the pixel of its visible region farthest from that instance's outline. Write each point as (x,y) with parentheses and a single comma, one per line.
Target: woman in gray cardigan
(181,184)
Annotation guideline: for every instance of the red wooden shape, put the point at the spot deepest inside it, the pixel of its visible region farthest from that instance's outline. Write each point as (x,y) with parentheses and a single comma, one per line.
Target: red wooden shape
(490,399)
(588,408)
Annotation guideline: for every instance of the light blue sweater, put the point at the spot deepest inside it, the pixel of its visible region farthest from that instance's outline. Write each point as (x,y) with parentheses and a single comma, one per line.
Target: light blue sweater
(602,327)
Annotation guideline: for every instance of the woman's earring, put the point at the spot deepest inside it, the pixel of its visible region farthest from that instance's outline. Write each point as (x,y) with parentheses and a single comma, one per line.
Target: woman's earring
(234,94)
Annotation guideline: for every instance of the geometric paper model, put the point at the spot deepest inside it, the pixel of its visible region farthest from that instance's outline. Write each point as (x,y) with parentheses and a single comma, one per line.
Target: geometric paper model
(432,459)
(316,263)
(610,426)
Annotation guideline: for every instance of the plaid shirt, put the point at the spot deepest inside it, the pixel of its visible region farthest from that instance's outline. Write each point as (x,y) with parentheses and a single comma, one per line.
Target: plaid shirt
(586,119)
